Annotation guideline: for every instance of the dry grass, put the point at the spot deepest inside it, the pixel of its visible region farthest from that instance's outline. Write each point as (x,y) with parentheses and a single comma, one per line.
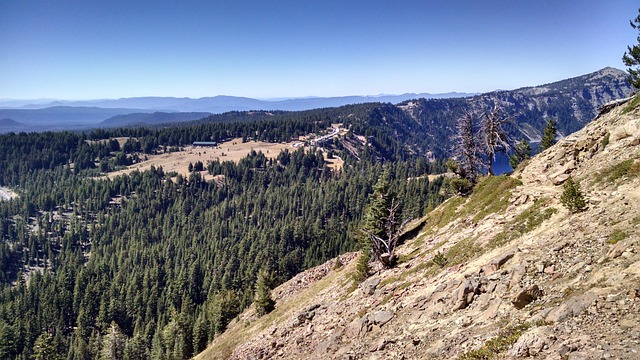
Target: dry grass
(232,150)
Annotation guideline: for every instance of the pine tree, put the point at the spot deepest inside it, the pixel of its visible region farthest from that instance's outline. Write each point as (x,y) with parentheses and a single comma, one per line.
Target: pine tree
(113,344)
(631,57)
(381,227)
(549,135)
(263,300)
(572,197)
(466,150)
(46,348)
(521,152)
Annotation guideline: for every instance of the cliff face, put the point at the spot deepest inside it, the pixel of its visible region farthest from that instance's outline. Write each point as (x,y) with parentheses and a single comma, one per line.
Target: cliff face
(508,270)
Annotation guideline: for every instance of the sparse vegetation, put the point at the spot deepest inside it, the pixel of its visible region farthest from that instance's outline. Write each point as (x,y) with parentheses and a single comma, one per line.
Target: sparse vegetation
(499,344)
(525,222)
(632,104)
(462,251)
(572,197)
(626,168)
(605,140)
(491,195)
(439,259)
(616,236)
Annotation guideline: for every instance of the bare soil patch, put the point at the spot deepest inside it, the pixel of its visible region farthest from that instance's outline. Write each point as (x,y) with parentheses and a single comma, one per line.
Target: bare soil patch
(7,194)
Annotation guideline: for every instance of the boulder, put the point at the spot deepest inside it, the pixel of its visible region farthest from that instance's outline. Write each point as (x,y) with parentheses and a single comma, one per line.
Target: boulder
(463,296)
(531,342)
(559,179)
(369,286)
(618,249)
(523,298)
(497,263)
(382,317)
(358,327)
(572,307)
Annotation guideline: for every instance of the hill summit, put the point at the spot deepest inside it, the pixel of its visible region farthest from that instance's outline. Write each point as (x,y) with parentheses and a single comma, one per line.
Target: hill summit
(507,271)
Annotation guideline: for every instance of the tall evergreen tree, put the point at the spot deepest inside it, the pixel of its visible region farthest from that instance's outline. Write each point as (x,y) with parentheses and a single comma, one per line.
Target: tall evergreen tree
(381,227)
(521,152)
(263,300)
(631,57)
(113,344)
(466,149)
(46,348)
(549,135)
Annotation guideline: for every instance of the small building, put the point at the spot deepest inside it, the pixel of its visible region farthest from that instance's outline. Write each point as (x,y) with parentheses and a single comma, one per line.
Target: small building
(205,143)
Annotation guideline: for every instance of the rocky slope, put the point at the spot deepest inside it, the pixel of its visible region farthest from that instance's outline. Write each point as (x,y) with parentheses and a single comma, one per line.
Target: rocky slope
(507,272)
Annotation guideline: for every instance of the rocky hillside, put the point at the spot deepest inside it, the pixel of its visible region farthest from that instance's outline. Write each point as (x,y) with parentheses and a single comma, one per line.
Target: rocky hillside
(428,125)
(507,271)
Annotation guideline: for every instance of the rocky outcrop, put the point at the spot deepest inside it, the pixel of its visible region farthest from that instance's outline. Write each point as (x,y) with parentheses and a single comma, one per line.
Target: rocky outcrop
(562,278)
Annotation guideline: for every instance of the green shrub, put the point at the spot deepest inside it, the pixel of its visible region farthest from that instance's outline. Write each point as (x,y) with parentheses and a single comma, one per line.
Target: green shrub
(459,186)
(572,197)
(361,272)
(617,235)
(605,141)
(338,264)
(439,259)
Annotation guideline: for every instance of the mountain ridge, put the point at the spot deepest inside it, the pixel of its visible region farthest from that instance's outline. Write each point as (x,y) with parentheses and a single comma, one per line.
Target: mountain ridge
(432,116)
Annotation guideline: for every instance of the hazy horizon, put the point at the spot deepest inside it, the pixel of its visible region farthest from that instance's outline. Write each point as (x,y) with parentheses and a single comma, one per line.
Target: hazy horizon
(119,49)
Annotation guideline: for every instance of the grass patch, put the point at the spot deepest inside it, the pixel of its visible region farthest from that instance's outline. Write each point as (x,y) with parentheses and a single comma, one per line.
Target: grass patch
(446,212)
(389,280)
(617,235)
(499,344)
(490,195)
(628,168)
(632,104)
(464,250)
(525,222)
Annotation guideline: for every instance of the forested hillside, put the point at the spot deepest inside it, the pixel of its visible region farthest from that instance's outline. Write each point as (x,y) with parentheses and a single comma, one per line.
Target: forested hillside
(155,264)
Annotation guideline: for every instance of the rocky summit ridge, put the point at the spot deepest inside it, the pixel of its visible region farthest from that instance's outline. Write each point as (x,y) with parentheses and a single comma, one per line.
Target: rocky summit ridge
(507,272)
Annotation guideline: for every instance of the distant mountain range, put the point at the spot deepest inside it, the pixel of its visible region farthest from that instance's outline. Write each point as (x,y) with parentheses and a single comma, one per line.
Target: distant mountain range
(222,103)
(573,101)
(45,115)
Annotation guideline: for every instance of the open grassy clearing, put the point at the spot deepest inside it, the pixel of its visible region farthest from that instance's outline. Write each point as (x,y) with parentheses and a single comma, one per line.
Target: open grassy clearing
(232,150)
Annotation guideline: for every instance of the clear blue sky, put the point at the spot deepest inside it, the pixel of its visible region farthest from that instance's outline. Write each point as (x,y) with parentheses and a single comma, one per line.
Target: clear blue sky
(89,49)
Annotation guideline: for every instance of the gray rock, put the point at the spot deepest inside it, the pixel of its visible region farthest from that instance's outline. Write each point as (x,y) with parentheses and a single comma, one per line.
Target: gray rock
(531,342)
(465,293)
(370,285)
(572,307)
(382,317)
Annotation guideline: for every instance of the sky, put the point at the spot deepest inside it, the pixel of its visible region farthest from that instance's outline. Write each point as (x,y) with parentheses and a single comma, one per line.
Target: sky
(105,49)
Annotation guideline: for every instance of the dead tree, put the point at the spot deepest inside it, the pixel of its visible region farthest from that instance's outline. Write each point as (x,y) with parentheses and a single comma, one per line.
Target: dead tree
(494,137)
